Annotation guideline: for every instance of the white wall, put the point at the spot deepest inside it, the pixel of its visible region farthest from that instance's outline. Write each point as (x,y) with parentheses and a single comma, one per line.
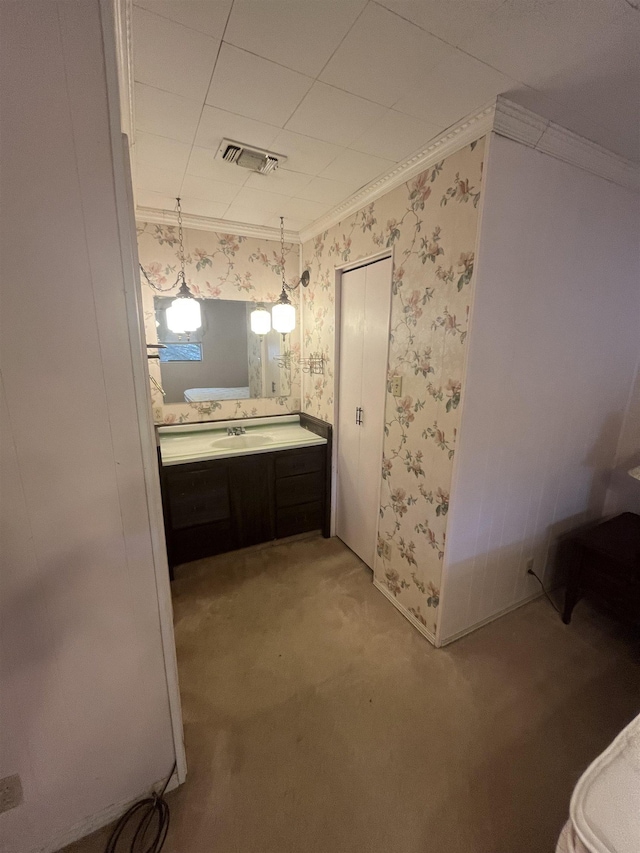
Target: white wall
(552,353)
(85,711)
(623,494)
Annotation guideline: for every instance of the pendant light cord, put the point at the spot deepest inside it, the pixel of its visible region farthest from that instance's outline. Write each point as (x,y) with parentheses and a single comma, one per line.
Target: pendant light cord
(181,242)
(181,279)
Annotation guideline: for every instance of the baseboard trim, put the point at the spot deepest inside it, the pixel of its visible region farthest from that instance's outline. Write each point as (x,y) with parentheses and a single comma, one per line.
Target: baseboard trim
(486,620)
(418,625)
(98,820)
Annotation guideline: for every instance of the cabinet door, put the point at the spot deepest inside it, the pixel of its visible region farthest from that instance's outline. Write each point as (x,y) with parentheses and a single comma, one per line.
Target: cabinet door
(252,499)
(198,496)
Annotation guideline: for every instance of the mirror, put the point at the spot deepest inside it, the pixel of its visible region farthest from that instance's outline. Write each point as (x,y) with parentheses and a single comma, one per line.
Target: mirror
(224,359)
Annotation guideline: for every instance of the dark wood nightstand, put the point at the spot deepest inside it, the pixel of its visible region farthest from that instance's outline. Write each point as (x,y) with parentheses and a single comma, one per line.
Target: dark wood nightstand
(605,566)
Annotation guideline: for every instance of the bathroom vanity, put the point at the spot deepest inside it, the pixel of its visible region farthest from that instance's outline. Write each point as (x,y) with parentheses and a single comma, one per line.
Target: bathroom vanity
(230,484)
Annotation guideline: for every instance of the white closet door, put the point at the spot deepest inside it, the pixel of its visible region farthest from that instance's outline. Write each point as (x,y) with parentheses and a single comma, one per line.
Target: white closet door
(350,520)
(364,346)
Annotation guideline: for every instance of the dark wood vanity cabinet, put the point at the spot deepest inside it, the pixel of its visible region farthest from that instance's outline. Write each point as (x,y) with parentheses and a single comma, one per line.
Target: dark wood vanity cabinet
(222,504)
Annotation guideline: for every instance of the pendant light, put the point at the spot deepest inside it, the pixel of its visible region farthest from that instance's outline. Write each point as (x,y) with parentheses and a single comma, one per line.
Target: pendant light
(183,315)
(260,320)
(283,312)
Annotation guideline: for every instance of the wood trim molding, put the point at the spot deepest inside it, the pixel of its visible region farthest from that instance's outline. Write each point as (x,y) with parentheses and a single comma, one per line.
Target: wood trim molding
(521,125)
(122,11)
(471,127)
(208,223)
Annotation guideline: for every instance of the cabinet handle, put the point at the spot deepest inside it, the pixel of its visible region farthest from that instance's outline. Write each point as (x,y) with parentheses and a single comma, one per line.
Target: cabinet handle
(358,415)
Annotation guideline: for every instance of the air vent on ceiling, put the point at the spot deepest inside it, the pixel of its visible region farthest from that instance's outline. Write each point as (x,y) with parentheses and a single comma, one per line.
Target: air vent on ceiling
(256,159)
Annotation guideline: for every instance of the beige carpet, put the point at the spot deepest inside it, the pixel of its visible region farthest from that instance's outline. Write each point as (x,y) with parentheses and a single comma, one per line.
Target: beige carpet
(317,720)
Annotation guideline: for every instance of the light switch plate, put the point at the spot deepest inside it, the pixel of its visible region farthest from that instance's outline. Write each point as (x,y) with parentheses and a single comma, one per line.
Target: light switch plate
(396,386)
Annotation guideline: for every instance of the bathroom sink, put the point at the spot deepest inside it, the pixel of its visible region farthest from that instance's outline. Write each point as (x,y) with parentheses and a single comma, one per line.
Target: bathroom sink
(242,441)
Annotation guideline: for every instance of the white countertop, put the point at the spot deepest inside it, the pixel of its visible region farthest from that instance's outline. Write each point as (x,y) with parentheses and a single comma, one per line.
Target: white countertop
(202,441)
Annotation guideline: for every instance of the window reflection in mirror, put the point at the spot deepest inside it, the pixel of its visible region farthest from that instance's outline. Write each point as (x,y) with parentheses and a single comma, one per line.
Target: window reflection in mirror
(224,359)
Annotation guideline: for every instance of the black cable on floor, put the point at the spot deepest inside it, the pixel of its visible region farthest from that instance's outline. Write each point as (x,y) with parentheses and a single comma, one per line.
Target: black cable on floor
(551,602)
(152,815)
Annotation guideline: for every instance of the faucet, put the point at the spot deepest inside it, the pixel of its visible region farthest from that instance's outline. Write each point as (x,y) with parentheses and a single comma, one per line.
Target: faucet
(236,430)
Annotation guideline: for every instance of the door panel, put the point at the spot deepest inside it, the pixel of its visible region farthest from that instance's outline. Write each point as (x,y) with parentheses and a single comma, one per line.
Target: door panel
(349,520)
(364,344)
(374,393)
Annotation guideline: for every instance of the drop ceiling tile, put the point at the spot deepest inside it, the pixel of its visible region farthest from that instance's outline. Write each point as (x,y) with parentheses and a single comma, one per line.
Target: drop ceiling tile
(299,35)
(454,88)
(304,153)
(217,124)
(292,224)
(166,114)
(170,56)
(205,17)
(532,41)
(158,180)
(243,213)
(382,56)
(334,116)
(449,21)
(395,136)
(281,181)
(356,169)
(606,86)
(255,87)
(158,201)
(300,208)
(202,207)
(325,191)
(266,202)
(203,164)
(162,152)
(208,190)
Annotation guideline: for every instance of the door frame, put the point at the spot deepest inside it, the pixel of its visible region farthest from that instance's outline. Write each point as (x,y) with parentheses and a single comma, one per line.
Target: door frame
(125,214)
(338,273)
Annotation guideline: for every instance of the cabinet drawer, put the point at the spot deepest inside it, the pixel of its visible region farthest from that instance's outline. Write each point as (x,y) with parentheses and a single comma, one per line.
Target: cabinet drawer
(304,488)
(198,497)
(299,519)
(290,463)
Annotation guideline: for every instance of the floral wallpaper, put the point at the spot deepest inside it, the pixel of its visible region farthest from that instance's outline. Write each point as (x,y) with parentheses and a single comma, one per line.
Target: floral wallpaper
(218,266)
(430,223)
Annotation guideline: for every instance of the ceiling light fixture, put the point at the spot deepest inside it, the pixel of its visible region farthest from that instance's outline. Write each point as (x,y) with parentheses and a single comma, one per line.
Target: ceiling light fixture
(183,315)
(283,312)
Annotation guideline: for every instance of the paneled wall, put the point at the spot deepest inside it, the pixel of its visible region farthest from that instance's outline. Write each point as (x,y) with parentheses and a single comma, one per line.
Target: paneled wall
(218,266)
(552,354)
(430,223)
(84,708)
(623,494)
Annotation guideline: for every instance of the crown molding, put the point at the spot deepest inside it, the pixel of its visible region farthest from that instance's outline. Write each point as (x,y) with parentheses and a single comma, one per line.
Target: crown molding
(521,125)
(208,223)
(462,133)
(501,116)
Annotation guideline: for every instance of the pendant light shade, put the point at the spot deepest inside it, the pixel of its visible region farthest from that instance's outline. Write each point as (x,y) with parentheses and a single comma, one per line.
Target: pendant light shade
(260,320)
(283,315)
(184,315)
